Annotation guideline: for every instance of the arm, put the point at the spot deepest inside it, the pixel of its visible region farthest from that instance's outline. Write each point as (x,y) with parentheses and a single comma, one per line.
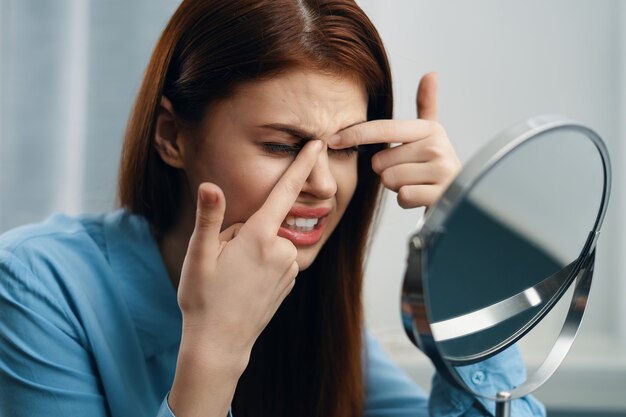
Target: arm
(389,390)
(45,368)
(47,365)
(232,282)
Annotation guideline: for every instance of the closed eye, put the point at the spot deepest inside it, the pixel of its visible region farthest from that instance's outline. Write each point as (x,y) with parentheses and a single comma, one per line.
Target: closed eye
(292,150)
(281,148)
(345,153)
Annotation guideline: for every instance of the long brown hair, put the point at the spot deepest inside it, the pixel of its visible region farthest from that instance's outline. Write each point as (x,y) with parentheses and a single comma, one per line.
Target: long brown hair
(308,361)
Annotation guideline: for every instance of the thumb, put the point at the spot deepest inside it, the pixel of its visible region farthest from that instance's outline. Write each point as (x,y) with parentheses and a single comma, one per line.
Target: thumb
(426,99)
(209,218)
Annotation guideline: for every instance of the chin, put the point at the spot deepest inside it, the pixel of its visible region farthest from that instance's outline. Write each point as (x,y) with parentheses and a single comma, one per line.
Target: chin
(306,257)
(304,264)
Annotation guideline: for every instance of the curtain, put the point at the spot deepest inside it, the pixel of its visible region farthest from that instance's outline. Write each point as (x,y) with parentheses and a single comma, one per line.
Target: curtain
(69,71)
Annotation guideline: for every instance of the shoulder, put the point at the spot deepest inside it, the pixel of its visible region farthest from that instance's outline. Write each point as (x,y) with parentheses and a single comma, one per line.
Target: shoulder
(69,264)
(60,238)
(78,234)
(62,251)
(41,265)
(55,229)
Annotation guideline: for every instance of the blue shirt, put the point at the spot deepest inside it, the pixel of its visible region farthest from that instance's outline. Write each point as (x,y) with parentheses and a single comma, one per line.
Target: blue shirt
(90,326)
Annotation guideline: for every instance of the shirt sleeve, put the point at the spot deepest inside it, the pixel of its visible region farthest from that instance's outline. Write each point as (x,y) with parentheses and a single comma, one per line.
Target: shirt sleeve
(165,410)
(44,367)
(502,372)
(391,393)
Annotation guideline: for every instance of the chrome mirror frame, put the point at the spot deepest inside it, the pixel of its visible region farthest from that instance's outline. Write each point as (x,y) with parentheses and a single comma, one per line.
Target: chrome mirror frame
(414,311)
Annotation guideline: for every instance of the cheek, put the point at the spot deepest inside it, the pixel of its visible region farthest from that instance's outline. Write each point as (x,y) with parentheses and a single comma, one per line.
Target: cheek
(345,173)
(248,186)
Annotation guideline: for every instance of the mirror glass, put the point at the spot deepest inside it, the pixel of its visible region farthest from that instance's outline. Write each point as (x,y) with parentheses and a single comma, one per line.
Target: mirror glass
(504,246)
(524,221)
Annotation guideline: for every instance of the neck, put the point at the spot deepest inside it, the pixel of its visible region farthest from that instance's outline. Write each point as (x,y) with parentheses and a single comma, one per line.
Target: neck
(174,242)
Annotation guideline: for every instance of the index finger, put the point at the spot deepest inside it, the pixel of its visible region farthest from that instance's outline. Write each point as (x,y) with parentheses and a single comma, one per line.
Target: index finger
(382,131)
(277,205)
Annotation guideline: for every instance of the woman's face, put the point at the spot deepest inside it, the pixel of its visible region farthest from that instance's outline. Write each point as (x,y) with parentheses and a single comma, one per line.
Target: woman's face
(246,142)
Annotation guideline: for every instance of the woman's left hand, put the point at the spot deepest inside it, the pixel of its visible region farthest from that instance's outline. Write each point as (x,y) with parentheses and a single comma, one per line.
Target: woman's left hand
(424,163)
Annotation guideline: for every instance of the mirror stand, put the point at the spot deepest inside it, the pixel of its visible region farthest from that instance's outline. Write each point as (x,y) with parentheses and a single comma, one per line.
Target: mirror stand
(503,404)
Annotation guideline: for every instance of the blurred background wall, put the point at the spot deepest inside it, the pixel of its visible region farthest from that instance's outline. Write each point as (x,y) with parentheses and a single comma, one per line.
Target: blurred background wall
(69,70)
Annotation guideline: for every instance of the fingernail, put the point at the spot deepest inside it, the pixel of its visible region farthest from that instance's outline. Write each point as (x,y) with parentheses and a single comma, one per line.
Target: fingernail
(207,198)
(317,144)
(334,140)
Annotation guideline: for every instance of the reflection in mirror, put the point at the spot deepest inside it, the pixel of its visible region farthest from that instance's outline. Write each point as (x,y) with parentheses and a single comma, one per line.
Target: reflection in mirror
(502,248)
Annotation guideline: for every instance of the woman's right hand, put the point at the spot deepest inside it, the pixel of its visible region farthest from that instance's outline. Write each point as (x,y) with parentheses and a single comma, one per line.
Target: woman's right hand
(232,282)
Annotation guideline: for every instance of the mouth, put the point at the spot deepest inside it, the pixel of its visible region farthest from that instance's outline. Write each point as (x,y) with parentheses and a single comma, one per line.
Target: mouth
(301,224)
(304,226)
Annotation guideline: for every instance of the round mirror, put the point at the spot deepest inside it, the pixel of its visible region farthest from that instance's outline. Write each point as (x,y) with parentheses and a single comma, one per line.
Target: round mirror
(512,237)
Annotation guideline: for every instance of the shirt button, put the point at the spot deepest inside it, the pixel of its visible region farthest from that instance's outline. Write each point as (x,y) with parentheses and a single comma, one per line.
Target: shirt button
(478,377)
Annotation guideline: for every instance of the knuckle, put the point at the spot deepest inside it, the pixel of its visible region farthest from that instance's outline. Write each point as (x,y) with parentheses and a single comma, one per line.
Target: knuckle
(291,252)
(254,238)
(190,301)
(265,251)
(437,128)
(433,151)
(388,178)
(281,251)
(456,165)
(448,171)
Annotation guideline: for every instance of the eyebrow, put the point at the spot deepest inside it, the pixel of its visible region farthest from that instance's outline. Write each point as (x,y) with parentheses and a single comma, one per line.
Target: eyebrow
(298,132)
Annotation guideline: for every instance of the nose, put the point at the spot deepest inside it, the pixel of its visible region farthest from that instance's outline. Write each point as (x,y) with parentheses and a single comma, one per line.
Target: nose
(321,182)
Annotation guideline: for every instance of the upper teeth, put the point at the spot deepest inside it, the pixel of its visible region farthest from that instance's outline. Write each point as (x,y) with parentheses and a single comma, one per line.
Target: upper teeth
(301,222)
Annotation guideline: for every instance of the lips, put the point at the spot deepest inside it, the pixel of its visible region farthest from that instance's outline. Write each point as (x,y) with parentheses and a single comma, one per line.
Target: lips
(304,226)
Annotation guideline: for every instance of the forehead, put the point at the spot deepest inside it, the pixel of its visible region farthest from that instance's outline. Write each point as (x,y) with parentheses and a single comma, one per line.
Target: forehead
(318,102)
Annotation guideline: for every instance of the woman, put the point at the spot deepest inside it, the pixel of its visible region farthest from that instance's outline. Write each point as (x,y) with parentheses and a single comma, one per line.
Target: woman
(232,274)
